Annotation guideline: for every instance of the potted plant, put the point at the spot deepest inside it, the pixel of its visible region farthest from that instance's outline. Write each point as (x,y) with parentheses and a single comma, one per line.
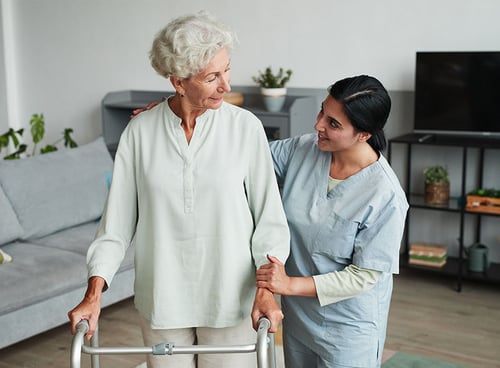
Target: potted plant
(484,200)
(437,185)
(14,137)
(273,87)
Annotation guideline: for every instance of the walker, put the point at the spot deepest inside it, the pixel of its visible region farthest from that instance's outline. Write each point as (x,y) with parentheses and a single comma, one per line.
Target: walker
(266,355)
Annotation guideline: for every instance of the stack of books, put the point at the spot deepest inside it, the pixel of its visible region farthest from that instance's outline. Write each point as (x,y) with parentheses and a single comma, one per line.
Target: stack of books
(427,254)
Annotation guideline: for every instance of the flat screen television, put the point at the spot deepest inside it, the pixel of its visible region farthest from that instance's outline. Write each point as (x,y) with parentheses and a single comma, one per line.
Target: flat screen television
(457,93)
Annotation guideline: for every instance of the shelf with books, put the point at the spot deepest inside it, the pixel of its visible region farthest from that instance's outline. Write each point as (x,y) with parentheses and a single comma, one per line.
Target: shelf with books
(428,254)
(469,224)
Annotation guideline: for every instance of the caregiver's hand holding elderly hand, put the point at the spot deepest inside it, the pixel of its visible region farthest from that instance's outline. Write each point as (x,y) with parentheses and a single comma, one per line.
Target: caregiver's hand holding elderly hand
(273,276)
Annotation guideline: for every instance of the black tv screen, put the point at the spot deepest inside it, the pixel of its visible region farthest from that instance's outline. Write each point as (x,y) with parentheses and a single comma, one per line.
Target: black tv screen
(457,93)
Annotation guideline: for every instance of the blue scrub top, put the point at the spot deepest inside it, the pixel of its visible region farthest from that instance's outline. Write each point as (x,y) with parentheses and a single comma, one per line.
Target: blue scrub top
(360,222)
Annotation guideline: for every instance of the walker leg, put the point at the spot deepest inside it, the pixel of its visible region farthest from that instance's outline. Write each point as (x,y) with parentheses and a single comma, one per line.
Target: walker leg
(94,342)
(272,351)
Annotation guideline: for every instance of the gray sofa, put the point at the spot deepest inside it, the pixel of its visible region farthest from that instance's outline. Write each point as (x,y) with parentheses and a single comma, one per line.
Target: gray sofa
(50,206)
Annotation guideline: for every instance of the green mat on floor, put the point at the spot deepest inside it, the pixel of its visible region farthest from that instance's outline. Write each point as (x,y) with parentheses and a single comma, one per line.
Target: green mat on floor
(404,360)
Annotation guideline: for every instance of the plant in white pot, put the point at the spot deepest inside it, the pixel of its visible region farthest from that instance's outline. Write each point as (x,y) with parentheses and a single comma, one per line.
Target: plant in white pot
(273,87)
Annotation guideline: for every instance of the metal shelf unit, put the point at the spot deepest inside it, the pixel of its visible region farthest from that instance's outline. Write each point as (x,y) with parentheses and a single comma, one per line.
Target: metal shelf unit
(455,266)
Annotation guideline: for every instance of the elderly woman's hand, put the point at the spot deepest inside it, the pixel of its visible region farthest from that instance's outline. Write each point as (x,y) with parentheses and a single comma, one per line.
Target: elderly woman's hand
(265,305)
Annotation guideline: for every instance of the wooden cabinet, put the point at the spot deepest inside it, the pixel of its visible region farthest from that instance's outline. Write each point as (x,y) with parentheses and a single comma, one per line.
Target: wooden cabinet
(297,116)
(455,265)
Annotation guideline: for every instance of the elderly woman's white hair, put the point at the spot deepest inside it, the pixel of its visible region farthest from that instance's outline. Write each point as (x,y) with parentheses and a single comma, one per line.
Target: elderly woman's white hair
(188,43)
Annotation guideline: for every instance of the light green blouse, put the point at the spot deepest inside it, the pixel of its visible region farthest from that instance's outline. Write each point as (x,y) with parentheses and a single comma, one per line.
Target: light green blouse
(203,216)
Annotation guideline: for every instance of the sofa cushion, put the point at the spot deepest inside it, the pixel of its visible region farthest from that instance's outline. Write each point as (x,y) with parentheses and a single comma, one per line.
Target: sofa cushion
(38,273)
(10,228)
(57,190)
(77,239)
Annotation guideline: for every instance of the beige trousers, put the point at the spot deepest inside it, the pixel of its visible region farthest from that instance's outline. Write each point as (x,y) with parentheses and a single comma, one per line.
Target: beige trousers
(242,334)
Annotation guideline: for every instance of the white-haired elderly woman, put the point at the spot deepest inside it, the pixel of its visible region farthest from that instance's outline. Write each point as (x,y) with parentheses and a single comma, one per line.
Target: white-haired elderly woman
(194,184)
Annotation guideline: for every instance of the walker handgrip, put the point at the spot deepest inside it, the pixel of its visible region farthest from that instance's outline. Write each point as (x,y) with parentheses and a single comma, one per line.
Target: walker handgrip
(82,328)
(263,323)
(265,345)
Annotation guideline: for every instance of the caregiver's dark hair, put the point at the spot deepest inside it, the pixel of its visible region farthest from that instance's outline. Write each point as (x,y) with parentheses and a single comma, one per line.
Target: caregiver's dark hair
(367,105)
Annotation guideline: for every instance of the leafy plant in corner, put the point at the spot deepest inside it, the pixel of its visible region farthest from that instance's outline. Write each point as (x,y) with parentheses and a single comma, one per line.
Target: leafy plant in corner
(436,175)
(37,130)
(268,79)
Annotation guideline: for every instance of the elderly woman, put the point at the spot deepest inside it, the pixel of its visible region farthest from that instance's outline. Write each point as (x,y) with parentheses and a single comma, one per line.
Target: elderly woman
(346,211)
(194,184)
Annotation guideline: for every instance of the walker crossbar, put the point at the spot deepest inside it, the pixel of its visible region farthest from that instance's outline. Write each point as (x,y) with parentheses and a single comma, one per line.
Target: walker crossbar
(264,347)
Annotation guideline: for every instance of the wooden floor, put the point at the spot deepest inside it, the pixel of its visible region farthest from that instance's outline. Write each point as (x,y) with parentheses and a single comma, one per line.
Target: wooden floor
(428,317)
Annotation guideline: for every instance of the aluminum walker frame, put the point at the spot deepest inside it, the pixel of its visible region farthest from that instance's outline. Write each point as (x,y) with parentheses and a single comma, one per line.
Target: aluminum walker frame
(264,347)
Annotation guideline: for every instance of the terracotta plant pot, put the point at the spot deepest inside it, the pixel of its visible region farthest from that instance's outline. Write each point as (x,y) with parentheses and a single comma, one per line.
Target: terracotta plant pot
(437,194)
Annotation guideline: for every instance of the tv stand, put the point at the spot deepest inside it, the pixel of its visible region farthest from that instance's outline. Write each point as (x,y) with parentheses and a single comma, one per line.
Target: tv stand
(457,140)
(425,138)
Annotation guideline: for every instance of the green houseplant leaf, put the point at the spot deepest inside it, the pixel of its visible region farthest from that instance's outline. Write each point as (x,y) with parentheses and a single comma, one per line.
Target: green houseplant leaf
(436,174)
(17,154)
(48,148)
(486,192)
(37,123)
(68,141)
(11,136)
(268,79)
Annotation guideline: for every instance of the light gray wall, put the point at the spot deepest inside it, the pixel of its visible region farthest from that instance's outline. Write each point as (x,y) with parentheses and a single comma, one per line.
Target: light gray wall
(65,55)
(4,123)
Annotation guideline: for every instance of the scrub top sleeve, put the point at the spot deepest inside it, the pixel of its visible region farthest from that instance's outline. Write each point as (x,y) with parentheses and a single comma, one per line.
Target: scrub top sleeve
(377,244)
(271,235)
(281,151)
(117,225)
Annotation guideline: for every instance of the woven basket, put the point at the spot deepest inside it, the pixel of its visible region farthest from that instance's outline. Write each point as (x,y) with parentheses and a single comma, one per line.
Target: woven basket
(437,194)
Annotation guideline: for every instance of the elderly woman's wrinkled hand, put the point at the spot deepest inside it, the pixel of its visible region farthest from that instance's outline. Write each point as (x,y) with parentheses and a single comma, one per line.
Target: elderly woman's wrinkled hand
(265,305)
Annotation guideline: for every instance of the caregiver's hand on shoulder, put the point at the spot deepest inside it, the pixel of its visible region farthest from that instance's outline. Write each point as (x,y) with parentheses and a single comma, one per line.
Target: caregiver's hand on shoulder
(148,107)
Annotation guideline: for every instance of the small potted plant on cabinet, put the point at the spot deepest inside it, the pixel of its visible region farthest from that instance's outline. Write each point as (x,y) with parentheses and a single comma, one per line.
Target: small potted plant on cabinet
(437,186)
(273,87)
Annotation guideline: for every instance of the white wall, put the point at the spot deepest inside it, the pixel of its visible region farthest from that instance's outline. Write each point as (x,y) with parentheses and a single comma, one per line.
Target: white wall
(66,55)
(3,82)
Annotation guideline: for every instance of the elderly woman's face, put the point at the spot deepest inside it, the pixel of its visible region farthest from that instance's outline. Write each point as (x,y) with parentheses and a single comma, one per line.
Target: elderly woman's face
(207,88)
